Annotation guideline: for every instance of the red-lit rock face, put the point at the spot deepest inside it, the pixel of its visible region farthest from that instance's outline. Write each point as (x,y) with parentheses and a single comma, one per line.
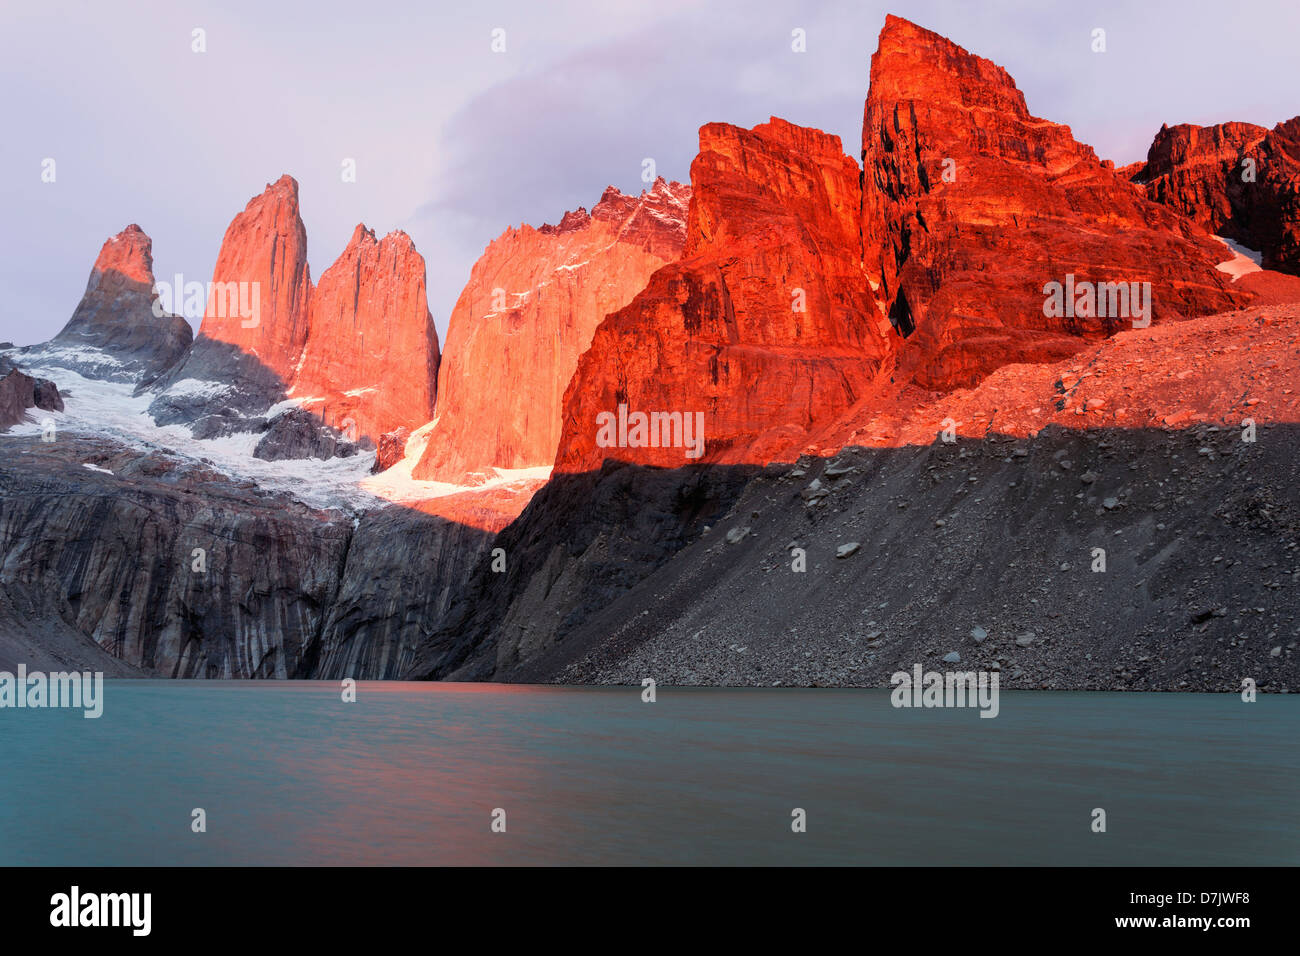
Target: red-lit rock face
(529,310)
(971,205)
(359,351)
(1188,168)
(1236,180)
(370,360)
(124,262)
(264,254)
(763,331)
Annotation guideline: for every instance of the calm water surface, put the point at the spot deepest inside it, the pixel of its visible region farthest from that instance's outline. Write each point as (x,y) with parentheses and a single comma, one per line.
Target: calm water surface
(411,773)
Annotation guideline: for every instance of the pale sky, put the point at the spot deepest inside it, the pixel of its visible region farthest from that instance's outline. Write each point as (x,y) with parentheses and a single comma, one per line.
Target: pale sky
(453,143)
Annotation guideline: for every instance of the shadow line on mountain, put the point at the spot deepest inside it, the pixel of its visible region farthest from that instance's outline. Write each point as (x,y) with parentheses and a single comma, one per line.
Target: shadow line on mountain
(602,565)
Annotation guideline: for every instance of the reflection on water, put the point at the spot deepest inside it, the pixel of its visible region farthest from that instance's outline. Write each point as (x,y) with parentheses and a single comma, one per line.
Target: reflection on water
(410,774)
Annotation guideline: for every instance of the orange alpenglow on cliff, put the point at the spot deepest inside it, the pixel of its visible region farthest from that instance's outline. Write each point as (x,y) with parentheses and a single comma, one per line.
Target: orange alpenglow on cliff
(529,310)
(971,206)
(265,246)
(804,290)
(359,351)
(765,326)
(120,316)
(370,362)
(1236,180)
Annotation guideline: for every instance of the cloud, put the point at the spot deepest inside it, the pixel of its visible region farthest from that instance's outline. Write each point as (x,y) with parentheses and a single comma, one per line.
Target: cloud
(454,143)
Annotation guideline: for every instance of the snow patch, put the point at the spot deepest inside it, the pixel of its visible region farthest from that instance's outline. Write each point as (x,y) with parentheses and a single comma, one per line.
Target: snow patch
(80,354)
(197,388)
(109,409)
(1243,262)
(397,483)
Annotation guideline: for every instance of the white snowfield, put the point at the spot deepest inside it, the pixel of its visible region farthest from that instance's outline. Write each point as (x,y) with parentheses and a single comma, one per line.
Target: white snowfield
(396,484)
(196,388)
(1243,262)
(80,354)
(108,409)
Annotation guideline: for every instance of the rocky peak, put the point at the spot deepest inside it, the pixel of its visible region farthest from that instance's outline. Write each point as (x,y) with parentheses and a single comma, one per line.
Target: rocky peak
(254,325)
(529,309)
(125,258)
(370,361)
(762,332)
(913,63)
(571,221)
(1236,180)
(113,333)
(266,245)
(971,206)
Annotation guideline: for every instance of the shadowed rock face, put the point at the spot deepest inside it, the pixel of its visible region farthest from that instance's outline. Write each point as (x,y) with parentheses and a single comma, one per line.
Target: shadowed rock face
(298,434)
(113,552)
(970,205)
(19,392)
(764,328)
(529,310)
(182,572)
(114,333)
(1236,180)
(404,570)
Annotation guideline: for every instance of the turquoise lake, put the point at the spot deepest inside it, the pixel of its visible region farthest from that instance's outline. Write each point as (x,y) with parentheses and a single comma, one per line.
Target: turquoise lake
(411,774)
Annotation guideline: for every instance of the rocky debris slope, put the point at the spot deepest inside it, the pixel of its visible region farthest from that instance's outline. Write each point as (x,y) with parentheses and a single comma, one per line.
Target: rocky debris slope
(529,310)
(1244,371)
(971,205)
(118,332)
(581,543)
(45,643)
(1236,180)
(992,546)
(763,330)
(972,556)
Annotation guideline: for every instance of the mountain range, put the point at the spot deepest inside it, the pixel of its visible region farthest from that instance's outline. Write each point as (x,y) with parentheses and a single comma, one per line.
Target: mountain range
(976,395)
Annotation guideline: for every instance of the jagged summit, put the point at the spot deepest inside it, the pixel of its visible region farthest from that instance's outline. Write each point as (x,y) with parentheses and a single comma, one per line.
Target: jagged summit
(971,205)
(526,314)
(118,332)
